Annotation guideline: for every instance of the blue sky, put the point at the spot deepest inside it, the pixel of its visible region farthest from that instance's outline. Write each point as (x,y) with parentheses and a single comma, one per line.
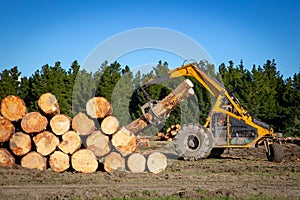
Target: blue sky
(38,32)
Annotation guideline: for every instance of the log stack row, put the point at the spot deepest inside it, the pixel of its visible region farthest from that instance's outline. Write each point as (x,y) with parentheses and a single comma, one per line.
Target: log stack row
(89,142)
(170,133)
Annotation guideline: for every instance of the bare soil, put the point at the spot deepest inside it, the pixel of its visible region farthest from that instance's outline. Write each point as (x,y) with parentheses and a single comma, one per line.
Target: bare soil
(238,174)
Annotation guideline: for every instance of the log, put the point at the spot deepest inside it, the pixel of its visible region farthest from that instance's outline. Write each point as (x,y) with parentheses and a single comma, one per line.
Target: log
(98,107)
(136,163)
(110,125)
(114,161)
(70,143)
(13,108)
(84,161)
(6,159)
(82,124)
(20,143)
(6,129)
(124,142)
(163,107)
(48,104)
(59,161)
(34,122)
(98,143)
(45,142)
(156,162)
(34,160)
(60,124)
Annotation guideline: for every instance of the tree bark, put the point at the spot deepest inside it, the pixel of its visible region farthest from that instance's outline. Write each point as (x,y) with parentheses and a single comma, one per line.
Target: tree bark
(110,125)
(98,107)
(6,129)
(13,108)
(163,107)
(34,160)
(60,124)
(84,161)
(114,161)
(20,143)
(124,142)
(34,122)
(59,161)
(70,143)
(82,124)
(48,104)
(45,142)
(98,143)
(6,159)
(136,163)
(156,162)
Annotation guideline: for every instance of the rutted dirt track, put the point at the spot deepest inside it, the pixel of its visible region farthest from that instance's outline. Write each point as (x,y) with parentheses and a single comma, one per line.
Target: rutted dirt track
(239,174)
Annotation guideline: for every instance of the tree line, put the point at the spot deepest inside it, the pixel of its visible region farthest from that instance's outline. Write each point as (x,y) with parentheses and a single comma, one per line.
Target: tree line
(263,91)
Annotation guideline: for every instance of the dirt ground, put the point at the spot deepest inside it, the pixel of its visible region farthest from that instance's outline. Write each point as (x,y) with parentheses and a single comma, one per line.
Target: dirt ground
(238,174)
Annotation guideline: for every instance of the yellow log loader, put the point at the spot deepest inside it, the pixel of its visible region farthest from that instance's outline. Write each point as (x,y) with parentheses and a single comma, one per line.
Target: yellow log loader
(228,125)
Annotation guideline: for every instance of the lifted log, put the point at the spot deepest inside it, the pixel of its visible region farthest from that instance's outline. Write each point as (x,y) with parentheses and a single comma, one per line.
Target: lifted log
(163,107)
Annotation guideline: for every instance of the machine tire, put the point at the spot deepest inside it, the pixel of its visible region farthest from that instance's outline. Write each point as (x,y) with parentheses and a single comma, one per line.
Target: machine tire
(216,152)
(193,142)
(276,153)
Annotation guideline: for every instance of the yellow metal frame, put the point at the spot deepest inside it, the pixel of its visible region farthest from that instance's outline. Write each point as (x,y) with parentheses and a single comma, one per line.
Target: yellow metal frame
(219,92)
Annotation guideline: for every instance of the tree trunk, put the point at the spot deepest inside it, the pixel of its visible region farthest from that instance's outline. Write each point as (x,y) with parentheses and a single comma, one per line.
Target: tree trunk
(13,108)
(84,161)
(82,124)
(114,161)
(98,107)
(60,124)
(156,162)
(98,143)
(110,125)
(163,107)
(46,142)
(20,143)
(6,129)
(48,104)
(136,163)
(59,161)
(124,142)
(70,143)
(34,122)
(6,159)
(34,160)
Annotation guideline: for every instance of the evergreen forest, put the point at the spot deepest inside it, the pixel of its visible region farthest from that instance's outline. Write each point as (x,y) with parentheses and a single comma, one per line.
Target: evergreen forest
(263,91)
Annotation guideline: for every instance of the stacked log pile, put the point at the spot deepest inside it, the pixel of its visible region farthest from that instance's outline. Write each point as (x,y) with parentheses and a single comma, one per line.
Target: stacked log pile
(170,133)
(38,140)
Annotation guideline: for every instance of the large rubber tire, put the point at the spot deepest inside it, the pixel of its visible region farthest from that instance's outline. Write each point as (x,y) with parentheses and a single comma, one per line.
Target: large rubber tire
(216,152)
(193,142)
(276,153)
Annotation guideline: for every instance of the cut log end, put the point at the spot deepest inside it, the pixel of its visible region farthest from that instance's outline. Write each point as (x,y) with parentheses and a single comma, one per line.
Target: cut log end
(34,160)
(70,143)
(20,143)
(84,161)
(13,108)
(34,122)
(110,125)
(98,107)
(6,159)
(156,162)
(114,161)
(59,161)
(46,142)
(124,142)
(60,124)
(98,143)
(136,163)
(6,129)
(82,124)
(48,104)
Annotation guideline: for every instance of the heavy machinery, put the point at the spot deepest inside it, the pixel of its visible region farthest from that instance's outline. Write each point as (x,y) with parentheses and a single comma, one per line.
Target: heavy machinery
(228,124)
